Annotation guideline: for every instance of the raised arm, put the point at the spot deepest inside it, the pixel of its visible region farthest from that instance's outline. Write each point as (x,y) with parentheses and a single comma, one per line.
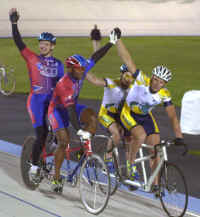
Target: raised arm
(103,50)
(124,53)
(14,17)
(96,81)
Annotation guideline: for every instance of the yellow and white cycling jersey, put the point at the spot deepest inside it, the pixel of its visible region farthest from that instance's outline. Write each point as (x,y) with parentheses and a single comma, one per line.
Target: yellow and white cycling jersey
(113,96)
(140,100)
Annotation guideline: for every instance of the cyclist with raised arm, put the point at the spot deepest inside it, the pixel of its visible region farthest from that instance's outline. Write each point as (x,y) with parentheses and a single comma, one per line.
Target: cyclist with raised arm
(144,94)
(44,72)
(115,92)
(64,108)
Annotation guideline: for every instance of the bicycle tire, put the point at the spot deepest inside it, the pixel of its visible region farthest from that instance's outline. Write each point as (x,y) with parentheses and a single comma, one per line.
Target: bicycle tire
(8,84)
(93,177)
(173,188)
(115,177)
(24,162)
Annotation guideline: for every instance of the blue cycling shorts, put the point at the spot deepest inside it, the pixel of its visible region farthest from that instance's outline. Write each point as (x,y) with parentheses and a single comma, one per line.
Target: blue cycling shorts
(59,118)
(37,106)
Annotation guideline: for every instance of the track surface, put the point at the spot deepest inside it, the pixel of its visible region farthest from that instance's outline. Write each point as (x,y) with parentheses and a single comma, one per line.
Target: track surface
(15,126)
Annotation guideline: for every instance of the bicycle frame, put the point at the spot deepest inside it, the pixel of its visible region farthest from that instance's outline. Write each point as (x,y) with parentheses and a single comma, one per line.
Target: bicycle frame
(162,153)
(87,152)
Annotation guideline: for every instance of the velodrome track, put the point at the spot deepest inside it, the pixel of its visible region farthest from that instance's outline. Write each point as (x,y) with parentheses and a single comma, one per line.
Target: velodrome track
(16,200)
(145,17)
(77,17)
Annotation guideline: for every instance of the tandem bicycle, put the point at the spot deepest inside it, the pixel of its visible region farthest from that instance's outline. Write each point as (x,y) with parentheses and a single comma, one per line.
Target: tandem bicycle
(172,187)
(90,172)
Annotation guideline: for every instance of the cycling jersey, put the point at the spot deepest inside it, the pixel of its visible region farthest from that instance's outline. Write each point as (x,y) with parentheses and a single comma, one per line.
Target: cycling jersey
(67,89)
(111,103)
(44,72)
(140,100)
(139,103)
(65,94)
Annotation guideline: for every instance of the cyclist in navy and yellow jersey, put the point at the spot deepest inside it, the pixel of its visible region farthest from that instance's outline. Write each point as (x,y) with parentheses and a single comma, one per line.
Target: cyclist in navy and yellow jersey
(44,72)
(145,93)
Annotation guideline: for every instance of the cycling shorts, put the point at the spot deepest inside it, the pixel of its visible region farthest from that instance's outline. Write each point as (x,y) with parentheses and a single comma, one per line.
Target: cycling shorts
(37,106)
(58,117)
(106,118)
(130,120)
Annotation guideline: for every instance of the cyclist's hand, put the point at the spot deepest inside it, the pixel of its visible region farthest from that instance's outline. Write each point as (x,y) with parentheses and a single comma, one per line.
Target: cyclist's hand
(113,37)
(118,32)
(180,142)
(14,15)
(84,135)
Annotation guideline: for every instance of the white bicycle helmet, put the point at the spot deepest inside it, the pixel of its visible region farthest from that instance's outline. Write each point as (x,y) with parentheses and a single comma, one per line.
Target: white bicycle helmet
(162,72)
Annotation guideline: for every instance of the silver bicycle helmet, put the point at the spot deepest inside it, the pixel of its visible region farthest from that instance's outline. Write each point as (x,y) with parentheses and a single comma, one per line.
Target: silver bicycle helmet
(162,72)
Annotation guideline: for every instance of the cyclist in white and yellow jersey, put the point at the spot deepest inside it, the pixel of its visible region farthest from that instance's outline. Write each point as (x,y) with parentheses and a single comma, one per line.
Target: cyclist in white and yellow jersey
(115,92)
(145,93)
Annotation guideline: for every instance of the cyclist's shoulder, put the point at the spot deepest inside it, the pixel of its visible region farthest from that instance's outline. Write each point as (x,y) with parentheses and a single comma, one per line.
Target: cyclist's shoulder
(65,81)
(28,52)
(164,92)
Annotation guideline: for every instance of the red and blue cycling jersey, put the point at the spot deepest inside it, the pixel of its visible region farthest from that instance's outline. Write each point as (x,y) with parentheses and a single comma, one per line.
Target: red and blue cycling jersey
(44,72)
(67,89)
(65,94)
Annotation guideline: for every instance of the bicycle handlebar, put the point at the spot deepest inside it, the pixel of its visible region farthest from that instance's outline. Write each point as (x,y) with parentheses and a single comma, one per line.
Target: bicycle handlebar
(168,143)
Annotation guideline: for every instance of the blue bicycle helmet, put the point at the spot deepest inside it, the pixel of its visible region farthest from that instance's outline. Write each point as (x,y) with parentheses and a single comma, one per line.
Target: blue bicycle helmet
(123,68)
(46,36)
(76,61)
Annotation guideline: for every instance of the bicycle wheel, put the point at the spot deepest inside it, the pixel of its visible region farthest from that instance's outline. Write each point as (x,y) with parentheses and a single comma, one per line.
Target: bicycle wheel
(114,179)
(7,83)
(115,176)
(173,190)
(25,160)
(94,176)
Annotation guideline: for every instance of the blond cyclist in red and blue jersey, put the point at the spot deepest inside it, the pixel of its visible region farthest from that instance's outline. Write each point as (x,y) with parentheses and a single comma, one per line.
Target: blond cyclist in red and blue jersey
(44,72)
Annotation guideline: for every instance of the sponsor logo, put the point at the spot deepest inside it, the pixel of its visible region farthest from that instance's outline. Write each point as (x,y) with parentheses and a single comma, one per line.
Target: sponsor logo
(47,71)
(37,88)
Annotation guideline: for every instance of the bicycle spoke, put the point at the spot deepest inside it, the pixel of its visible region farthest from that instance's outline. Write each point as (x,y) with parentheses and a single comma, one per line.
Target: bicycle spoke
(173,191)
(92,178)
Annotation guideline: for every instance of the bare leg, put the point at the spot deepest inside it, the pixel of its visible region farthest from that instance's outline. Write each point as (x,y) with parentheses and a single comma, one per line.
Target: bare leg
(114,130)
(62,136)
(138,137)
(154,139)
